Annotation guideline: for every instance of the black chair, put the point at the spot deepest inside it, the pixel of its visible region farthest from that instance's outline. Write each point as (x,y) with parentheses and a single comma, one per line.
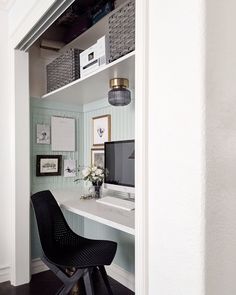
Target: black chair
(64,251)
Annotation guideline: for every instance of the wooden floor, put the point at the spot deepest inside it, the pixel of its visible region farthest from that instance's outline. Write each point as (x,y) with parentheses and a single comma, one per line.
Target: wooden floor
(46,283)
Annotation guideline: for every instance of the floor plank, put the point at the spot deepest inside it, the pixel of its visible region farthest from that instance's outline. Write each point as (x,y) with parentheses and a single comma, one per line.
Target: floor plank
(47,283)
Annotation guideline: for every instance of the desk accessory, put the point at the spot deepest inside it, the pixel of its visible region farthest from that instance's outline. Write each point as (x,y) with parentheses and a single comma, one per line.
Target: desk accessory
(94,175)
(95,57)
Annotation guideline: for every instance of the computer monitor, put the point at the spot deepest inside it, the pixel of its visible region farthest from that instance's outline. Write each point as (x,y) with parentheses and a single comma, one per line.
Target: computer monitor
(120,166)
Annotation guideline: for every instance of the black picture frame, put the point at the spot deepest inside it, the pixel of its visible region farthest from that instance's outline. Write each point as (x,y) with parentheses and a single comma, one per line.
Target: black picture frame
(48,165)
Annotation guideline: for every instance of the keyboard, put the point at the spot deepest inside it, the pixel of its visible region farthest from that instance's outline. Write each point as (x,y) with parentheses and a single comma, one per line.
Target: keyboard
(117,203)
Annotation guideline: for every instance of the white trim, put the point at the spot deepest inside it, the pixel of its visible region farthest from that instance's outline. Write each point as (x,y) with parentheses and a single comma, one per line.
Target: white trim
(141,141)
(20,239)
(44,23)
(5,274)
(122,276)
(37,266)
(31,18)
(114,271)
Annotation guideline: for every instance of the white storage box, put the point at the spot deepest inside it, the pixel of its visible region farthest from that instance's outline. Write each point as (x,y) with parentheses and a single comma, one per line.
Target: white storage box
(94,57)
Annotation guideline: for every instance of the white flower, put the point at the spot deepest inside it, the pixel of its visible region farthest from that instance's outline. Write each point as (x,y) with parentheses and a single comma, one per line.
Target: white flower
(94,168)
(98,171)
(86,172)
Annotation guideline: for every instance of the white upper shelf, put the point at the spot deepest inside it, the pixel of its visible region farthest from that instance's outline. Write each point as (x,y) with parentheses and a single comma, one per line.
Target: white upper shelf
(95,85)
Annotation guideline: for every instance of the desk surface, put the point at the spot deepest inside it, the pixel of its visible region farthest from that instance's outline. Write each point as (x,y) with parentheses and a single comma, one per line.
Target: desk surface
(113,217)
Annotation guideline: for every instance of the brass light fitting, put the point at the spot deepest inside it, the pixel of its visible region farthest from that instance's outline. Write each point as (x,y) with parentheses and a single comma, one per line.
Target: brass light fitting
(119,95)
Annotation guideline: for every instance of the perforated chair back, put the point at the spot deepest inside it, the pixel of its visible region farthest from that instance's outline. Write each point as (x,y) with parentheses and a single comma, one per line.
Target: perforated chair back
(50,220)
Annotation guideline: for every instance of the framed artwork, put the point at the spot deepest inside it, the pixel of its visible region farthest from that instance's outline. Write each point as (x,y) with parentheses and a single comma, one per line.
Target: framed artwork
(97,157)
(101,130)
(43,134)
(63,134)
(69,168)
(48,165)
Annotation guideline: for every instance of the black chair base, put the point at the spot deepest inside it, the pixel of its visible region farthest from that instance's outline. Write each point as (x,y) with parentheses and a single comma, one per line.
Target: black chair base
(70,281)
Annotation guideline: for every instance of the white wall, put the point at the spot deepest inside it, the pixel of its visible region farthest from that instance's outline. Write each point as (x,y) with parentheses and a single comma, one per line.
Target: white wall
(5,172)
(221,148)
(176,147)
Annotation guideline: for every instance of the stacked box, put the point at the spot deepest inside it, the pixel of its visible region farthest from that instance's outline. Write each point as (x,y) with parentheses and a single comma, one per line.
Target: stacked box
(122,31)
(64,69)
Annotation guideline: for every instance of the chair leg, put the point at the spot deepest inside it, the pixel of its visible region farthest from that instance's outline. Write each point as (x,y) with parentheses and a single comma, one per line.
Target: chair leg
(105,279)
(68,281)
(88,283)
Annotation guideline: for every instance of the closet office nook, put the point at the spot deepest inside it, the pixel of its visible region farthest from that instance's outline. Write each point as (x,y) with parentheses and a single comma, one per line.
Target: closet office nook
(82,114)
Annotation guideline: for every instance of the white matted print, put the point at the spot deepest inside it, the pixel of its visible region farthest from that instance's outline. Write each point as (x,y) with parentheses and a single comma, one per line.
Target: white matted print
(43,133)
(69,168)
(63,134)
(101,129)
(97,157)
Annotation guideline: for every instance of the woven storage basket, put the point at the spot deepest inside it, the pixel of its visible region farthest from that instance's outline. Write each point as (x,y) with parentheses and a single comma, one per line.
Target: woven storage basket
(63,70)
(122,31)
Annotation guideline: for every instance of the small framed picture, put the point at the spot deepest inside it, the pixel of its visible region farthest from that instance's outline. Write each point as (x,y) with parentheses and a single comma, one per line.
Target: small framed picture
(43,134)
(69,168)
(101,130)
(97,157)
(48,165)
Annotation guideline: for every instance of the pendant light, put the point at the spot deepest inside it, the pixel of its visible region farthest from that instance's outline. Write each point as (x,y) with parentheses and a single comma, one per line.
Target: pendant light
(119,95)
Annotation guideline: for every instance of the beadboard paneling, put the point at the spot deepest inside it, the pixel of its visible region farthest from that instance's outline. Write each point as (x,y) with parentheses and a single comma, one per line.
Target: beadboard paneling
(41,114)
(122,127)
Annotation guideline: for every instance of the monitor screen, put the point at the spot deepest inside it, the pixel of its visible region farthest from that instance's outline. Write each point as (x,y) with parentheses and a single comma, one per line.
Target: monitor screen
(119,163)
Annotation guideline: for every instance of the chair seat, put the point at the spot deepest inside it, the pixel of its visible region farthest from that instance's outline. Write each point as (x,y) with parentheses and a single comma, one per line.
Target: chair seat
(84,253)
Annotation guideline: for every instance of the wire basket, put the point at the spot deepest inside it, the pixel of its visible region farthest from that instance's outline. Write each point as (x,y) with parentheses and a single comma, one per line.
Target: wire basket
(63,70)
(122,31)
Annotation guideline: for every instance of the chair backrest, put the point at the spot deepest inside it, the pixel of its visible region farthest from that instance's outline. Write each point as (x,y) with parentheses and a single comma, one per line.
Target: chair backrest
(51,223)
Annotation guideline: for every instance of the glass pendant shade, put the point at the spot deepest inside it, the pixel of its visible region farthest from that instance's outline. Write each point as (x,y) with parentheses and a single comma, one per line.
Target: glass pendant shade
(119,95)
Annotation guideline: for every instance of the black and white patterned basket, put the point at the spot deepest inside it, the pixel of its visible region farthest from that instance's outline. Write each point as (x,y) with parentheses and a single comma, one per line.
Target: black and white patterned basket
(122,31)
(63,70)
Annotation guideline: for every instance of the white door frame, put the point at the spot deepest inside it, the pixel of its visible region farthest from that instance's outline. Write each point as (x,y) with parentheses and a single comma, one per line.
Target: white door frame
(21,254)
(141,140)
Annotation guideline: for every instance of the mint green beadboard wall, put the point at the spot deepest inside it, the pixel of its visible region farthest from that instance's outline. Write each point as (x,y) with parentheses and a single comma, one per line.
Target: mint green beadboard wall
(122,127)
(41,112)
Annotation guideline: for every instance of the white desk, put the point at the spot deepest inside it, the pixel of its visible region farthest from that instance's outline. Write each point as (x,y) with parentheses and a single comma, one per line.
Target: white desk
(113,217)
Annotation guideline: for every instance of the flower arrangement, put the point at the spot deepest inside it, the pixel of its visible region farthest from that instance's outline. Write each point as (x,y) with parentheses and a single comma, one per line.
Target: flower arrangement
(93,174)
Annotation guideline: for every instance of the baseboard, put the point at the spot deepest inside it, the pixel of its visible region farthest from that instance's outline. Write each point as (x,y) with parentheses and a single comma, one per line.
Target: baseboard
(37,266)
(5,274)
(122,276)
(116,272)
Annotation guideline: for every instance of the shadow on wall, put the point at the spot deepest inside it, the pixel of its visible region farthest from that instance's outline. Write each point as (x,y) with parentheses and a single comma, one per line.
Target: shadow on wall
(221,147)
